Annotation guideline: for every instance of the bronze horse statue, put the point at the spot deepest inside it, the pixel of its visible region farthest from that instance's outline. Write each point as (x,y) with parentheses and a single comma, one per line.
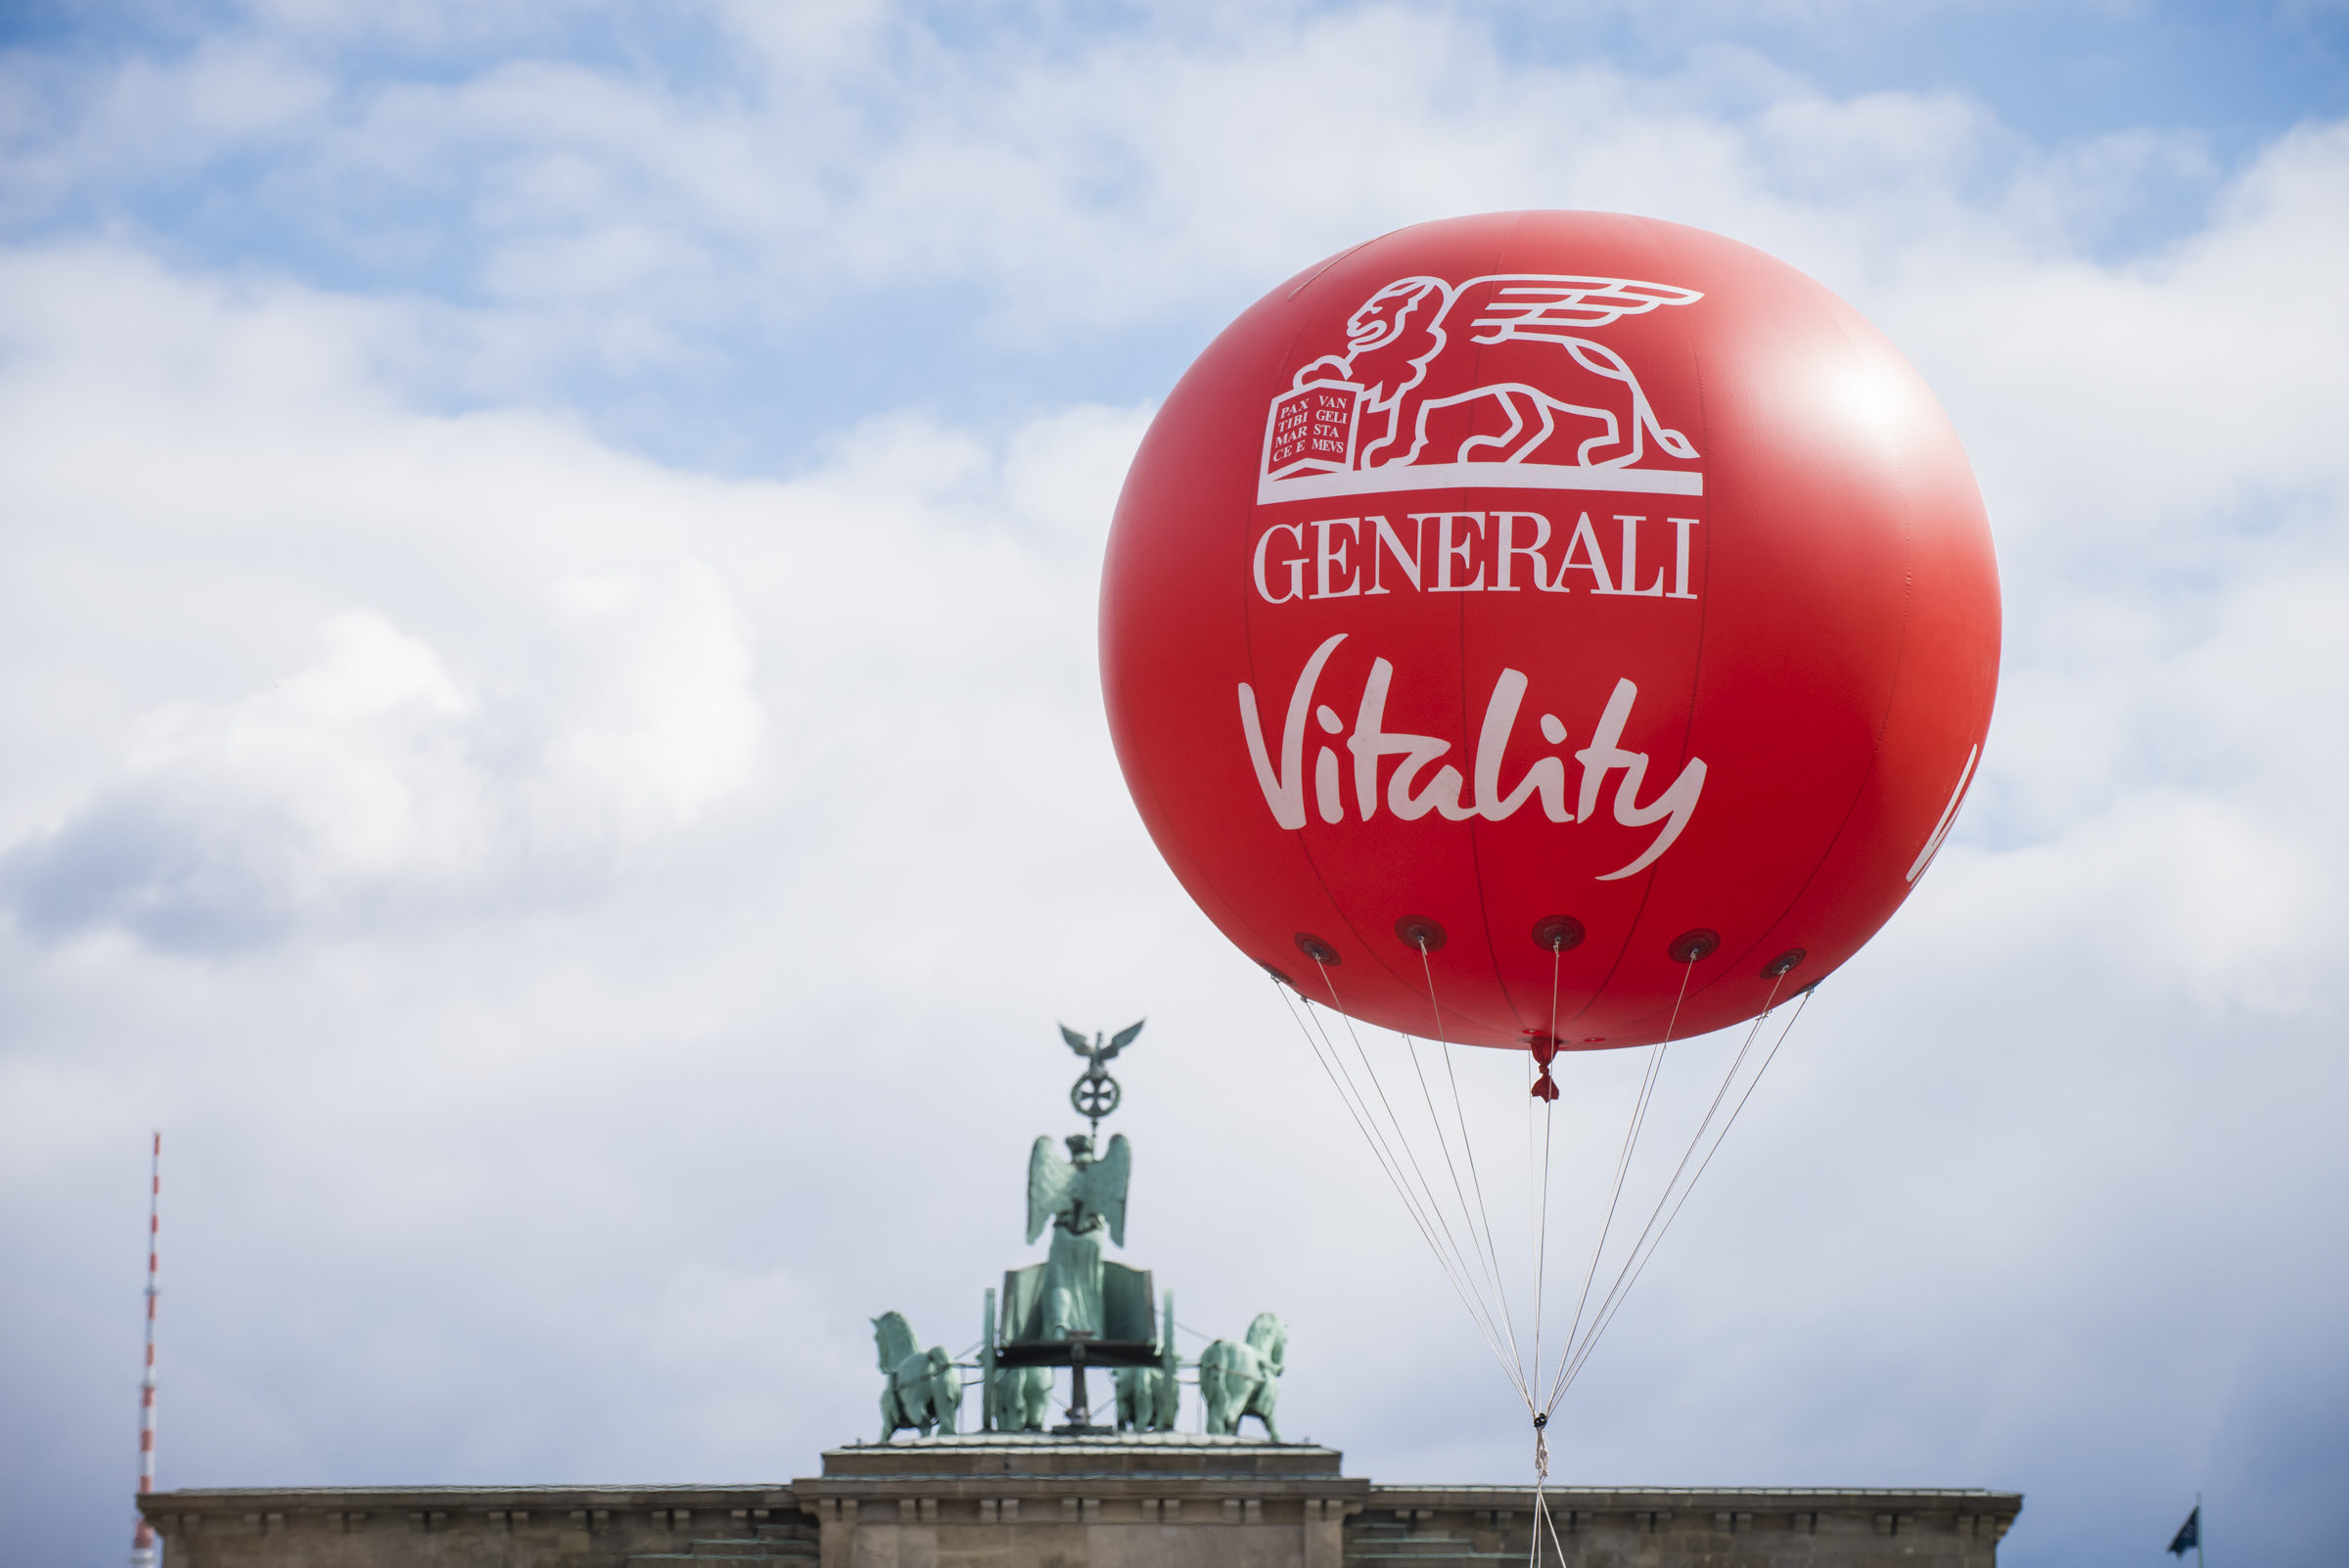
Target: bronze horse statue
(923,1388)
(1242,1379)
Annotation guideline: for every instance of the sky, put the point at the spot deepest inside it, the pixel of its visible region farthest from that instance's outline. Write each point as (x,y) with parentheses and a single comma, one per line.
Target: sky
(547,575)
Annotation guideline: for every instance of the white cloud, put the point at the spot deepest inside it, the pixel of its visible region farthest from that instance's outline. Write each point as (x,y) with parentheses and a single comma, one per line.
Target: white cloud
(370,776)
(154,117)
(857,160)
(230,821)
(662,883)
(541,659)
(661,718)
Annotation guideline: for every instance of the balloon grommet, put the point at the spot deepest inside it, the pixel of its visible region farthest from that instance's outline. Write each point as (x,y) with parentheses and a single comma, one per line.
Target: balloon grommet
(1557,933)
(1279,974)
(1320,952)
(1690,946)
(1419,933)
(1783,964)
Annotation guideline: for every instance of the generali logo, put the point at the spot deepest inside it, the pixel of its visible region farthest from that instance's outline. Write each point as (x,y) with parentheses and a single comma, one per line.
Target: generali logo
(1557,409)
(1487,384)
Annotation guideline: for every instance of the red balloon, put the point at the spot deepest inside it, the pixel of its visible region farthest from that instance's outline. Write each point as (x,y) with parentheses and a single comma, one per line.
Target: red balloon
(1542,624)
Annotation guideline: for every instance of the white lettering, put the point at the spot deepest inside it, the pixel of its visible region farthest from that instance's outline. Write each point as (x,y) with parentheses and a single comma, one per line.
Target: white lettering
(1296,564)
(1549,774)
(1593,562)
(1413,791)
(1370,740)
(1336,565)
(1677,803)
(1443,791)
(1326,786)
(1604,754)
(1949,814)
(1630,575)
(1324,557)
(1505,525)
(1446,551)
(1386,538)
(1680,566)
(1284,792)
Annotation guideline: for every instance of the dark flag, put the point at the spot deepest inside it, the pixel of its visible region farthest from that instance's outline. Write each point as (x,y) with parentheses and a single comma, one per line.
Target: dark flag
(2190,1534)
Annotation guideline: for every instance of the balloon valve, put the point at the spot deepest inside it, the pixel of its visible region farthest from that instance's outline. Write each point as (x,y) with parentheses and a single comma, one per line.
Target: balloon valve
(1545,1049)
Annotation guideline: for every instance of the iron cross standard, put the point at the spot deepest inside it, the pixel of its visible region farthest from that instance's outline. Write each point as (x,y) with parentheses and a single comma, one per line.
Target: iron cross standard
(1096,1093)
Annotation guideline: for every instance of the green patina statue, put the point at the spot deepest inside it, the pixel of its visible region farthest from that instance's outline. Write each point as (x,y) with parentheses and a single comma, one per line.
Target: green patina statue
(1096,1094)
(1240,1379)
(1080,1197)
(922,1388)
(1079,1310)
(1019,1397)
(1147,1398)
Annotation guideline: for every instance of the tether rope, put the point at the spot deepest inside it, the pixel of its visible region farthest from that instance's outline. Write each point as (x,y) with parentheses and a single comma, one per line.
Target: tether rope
(1429,1213)
(1421,1203)
(1635,1262)
(1619,1298)
(1356,1103)
(1549,1108)
(1366,1124)
(1467,1220)
(1483,1309)
(1695,1138)
(1541,1521)
(1571,1355)
(1468,1151)
(1623,1164)
(1477,1182)
(1350,1095)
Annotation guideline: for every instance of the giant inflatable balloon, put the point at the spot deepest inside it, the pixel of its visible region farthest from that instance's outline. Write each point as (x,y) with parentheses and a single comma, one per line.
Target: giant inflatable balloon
(1549,628)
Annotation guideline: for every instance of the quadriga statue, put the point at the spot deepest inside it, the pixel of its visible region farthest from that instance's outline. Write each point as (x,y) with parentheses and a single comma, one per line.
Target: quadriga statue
(1242,1379)
(923,1389)
(1147,1397)
(1020,1397)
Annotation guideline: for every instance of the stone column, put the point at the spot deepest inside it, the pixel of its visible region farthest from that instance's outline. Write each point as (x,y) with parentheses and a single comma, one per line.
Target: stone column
(835,1542)
(1325,1532)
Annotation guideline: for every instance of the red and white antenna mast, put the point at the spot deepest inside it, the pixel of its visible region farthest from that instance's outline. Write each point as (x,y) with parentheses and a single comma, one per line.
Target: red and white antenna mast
(142,1543)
